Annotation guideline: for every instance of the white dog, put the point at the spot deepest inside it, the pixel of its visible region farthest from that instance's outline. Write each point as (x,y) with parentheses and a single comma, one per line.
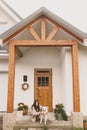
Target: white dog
(43,114)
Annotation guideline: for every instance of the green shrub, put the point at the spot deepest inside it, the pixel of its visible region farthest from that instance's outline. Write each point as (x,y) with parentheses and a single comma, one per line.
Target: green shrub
(85,120)
(77,128)
(60,113)
(25,107)
(45,128)
(59,105)
(22,106)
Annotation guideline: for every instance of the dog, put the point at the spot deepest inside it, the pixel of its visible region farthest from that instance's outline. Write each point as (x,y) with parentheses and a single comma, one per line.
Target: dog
(43,114)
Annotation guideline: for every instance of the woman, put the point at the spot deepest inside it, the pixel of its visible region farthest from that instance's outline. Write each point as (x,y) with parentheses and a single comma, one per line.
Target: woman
(36,108)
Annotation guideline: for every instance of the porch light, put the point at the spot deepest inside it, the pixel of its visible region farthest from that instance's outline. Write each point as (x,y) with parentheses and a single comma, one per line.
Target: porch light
(25,78)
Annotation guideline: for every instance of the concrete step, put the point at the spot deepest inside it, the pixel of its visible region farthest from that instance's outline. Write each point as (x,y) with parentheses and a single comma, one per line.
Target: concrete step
(57,128)
(24,123)
(51,125)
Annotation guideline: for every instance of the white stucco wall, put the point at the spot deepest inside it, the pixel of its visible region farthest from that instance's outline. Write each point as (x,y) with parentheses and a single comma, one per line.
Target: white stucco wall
(3,84)
(37,58)
(60,62)
(83,78)
(3,90)
(3,65)
(66,79)
(7,19)
(57,59)
(69,85)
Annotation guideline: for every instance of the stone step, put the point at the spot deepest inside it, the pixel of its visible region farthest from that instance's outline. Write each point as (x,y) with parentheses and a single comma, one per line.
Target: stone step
(24,123)
(51,125)
(44,128)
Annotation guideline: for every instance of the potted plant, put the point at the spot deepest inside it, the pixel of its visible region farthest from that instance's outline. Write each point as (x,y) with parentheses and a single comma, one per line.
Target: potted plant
(60,113)
(20,109)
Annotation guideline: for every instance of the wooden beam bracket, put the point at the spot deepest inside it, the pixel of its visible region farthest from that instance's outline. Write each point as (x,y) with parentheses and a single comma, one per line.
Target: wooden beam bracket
(19,52)
(52,33)
(43,29)
(34,34)
(43,43)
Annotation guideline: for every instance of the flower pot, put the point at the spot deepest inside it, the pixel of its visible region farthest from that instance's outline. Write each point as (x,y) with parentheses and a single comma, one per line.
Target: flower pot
(19,113)
(85,125)
(25,111)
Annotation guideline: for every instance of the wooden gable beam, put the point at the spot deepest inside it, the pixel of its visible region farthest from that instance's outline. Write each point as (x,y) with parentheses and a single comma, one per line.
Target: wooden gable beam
(36,19)
(43,43)
(64,29)
(34,34)
(52,33)
(43,29)
(19,52)
(21,29)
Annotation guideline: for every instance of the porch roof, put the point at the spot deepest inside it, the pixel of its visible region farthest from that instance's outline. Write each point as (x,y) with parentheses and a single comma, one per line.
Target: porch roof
(43,11)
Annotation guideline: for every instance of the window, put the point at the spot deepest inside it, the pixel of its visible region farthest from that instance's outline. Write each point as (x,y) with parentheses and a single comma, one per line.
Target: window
(43,81)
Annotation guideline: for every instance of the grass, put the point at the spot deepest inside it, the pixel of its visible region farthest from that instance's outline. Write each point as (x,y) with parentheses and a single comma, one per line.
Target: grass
(45,127)
(77,128)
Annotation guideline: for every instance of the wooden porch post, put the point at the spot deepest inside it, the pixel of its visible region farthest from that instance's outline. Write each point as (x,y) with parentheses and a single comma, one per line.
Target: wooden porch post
(75,71)
(11,78)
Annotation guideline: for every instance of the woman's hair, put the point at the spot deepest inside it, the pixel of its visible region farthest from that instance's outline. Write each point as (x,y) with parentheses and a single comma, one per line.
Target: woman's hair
(36,107)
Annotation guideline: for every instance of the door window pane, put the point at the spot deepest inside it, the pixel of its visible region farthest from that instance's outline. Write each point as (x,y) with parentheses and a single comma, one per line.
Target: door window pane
(43,81)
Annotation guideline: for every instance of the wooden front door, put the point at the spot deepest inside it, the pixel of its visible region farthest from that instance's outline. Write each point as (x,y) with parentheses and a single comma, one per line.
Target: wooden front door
(43,87)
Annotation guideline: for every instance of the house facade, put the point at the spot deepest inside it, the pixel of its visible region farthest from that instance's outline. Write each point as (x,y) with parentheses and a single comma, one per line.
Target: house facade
(47,61)
(8,18)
